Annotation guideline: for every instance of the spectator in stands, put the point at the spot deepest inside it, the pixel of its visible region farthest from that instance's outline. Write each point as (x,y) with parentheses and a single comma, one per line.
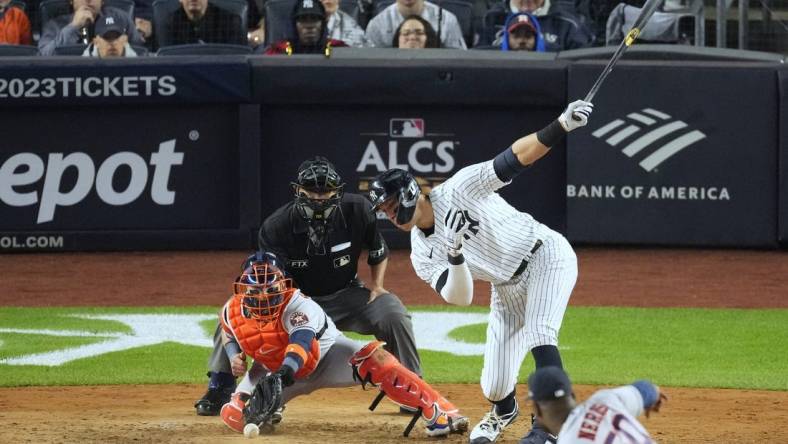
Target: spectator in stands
(198,21)
(415,33)
(381,29)
(342,26)
(143,19)
(255,19)
(309,19)
(14,25)
(111,40)
(522,34)
(77,28)
(561,27)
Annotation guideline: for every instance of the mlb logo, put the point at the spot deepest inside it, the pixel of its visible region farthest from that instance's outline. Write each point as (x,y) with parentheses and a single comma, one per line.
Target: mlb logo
(406,127)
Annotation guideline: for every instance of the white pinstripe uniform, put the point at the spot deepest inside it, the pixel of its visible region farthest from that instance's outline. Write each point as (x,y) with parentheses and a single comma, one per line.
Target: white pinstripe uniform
(608,417)
(526,311)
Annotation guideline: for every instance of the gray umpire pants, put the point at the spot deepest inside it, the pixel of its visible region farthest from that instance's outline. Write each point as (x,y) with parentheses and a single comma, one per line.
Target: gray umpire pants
(385,318)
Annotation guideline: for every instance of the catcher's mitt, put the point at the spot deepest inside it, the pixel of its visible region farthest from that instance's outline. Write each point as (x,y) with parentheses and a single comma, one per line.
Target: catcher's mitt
(266,399)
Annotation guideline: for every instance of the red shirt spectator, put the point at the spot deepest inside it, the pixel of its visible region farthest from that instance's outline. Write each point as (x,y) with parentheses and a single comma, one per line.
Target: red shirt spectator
(14,25)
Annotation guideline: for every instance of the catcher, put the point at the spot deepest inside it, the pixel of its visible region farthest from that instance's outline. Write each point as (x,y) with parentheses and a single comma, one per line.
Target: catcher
(296,349)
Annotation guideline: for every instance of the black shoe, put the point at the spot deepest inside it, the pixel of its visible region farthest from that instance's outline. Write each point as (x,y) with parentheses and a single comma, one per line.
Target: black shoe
(538,435)
(213,400)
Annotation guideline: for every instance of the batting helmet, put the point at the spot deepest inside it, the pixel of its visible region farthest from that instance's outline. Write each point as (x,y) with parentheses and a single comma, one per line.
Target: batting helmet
(317,175)
(263,288)
(396,184)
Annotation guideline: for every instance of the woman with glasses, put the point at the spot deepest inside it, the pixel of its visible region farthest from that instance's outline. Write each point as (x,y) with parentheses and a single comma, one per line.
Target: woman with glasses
(415,33)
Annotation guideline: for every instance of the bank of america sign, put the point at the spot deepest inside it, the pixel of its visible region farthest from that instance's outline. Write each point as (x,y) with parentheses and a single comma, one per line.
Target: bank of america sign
(649,131)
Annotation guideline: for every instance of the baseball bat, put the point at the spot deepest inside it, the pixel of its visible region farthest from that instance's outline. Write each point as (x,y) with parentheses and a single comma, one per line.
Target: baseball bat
(645,14)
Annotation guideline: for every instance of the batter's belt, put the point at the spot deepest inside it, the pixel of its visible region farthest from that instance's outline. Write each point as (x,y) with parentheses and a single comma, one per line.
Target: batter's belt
(524,263)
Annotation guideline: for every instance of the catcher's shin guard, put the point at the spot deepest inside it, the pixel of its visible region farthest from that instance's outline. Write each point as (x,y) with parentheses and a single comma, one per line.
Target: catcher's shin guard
(373,364)
(233,412)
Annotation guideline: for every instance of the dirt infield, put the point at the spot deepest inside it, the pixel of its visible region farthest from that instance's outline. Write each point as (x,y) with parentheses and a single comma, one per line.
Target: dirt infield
(623,277)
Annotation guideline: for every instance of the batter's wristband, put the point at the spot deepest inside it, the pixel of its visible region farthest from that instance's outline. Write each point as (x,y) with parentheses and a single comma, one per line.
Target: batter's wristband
(456,260)
(551,134)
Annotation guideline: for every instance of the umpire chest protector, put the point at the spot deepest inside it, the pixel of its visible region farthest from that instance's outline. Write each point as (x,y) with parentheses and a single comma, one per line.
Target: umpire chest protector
(266,344)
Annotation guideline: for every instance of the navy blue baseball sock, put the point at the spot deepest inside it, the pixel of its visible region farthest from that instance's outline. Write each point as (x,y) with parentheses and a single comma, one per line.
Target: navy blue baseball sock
(505,405)
(545,355)
(220,380)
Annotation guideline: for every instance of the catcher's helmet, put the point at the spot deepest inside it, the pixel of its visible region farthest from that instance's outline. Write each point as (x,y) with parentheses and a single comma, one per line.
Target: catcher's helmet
(263,288)
(396,184)
(317,175)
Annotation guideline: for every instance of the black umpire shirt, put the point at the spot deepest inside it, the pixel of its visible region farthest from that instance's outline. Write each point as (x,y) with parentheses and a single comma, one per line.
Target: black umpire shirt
(352,229)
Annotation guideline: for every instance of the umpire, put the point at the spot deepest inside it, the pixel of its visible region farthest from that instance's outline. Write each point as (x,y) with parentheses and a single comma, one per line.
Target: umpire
(319,237)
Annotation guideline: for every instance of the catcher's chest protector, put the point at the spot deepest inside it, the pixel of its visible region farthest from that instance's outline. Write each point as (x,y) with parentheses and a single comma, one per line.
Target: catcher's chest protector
(267,345)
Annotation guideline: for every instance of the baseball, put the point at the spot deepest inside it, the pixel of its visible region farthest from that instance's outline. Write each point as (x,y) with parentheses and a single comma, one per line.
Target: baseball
(251,430)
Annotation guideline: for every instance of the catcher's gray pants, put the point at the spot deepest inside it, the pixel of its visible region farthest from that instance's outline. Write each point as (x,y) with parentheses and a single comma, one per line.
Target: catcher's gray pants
(334,370)
(385,318)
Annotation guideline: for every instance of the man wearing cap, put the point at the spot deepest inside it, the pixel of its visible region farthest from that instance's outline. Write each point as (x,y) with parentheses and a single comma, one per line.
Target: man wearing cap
(521,34)
(608,416)
(319,236)
(310,22)
(78,27)
(198,21)
(111,39)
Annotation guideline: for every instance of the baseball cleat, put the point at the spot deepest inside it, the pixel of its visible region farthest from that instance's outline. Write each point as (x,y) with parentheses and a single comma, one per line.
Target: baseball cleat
(212,401)
(492,425)
(446,425)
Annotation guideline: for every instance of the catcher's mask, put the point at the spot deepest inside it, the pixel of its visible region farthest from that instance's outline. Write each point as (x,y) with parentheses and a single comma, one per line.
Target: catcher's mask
(264,290)
(318,190)
(399,186)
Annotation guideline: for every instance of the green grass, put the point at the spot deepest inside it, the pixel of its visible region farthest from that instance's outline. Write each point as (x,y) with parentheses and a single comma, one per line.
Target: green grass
(673,347)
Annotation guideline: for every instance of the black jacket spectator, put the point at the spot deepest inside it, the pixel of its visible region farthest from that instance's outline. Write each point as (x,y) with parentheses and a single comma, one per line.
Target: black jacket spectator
(216,26)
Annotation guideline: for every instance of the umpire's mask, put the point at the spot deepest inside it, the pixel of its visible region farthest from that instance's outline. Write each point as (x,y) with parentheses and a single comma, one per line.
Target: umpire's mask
(318,191)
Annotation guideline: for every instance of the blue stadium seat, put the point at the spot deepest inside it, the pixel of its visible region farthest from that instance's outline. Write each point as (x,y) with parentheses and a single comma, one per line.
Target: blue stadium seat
(278,22)
(18,50)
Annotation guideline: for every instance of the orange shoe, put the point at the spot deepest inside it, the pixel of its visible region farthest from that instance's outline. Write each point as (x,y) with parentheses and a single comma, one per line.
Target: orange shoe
(233,412)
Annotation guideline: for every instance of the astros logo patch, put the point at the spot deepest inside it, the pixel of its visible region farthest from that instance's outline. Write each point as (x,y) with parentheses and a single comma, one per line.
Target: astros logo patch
(298,319)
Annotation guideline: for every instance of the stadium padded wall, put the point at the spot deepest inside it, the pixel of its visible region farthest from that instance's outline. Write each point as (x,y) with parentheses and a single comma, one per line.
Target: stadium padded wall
(192,152)
(783,134)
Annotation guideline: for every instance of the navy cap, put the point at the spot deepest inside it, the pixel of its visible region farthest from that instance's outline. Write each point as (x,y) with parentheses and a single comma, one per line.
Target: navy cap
(548,383)
(307,8)
(107,24)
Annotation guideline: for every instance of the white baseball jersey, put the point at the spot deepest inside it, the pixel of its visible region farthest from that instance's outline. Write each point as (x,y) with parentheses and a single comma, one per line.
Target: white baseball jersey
(526,310)
(499,238)
(608,417)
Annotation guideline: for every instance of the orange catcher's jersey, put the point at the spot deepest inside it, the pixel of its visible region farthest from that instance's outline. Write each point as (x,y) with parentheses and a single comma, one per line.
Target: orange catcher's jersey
(268,344)
(608,417)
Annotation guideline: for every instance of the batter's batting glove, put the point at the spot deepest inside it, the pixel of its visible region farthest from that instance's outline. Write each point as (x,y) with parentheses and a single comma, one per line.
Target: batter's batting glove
(580,110)
(456,227)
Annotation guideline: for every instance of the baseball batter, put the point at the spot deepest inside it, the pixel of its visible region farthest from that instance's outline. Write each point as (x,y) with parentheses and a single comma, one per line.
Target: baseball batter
(289,334)
(463,230)
(607,417)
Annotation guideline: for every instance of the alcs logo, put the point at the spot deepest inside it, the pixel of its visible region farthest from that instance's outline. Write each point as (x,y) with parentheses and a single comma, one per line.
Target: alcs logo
(409,146)
(28,168)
